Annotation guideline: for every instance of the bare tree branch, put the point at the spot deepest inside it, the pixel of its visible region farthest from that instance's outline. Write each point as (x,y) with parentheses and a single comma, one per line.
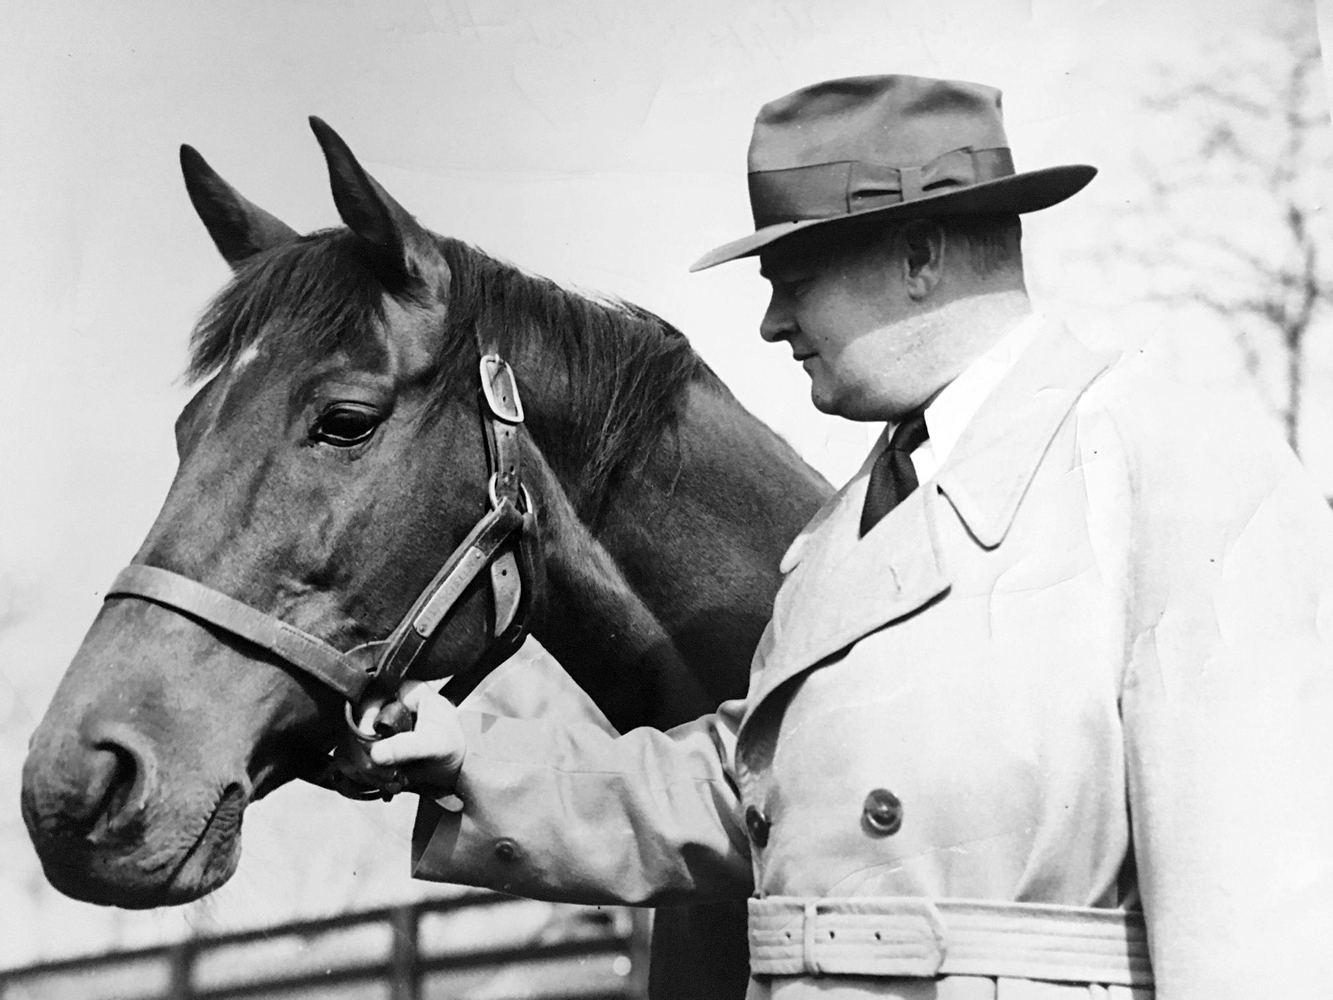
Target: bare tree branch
(1259,125)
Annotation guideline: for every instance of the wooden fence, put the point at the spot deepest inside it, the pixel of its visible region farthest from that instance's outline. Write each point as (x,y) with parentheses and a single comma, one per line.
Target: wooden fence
(478,946)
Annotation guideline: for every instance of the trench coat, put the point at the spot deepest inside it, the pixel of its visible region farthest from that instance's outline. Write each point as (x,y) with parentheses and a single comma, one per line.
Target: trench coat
(1088,664)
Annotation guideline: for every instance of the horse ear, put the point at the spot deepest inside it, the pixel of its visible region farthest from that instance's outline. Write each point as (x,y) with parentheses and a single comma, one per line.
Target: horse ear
(373,214)
(240,228)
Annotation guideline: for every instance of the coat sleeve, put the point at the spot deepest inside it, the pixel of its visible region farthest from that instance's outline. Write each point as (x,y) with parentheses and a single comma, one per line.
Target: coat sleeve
(574,813)
(1228,707)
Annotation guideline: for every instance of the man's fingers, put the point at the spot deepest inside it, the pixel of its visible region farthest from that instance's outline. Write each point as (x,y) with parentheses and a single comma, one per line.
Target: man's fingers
(431,755)
(444,748)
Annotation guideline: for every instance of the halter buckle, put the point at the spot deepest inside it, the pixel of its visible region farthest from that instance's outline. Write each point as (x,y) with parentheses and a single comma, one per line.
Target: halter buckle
(500,389)
(492,489)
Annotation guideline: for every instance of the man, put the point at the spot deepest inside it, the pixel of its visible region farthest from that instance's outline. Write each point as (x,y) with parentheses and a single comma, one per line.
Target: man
(1044,707)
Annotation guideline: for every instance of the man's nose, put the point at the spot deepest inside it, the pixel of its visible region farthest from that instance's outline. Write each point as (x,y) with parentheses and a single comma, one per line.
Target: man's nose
(777,324)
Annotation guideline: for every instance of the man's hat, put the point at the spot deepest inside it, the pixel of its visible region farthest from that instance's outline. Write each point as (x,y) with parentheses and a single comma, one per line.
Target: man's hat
(890,146)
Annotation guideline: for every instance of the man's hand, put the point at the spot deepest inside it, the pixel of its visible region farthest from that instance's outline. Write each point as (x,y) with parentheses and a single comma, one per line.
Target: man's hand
(431,755)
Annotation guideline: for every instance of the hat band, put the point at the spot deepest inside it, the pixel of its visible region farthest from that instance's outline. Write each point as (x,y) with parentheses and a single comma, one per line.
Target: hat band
(845,187)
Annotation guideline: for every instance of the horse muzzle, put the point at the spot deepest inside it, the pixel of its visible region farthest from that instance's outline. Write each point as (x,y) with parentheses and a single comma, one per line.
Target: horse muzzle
(106,832)
(138,774)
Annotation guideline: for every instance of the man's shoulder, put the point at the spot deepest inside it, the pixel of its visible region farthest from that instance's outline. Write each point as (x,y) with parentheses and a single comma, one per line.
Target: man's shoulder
(1214,447)
(1156,408)
(1131,398)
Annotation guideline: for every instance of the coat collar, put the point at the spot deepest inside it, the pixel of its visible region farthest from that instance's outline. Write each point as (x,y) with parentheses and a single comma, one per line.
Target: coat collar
(840,587)
(989,470)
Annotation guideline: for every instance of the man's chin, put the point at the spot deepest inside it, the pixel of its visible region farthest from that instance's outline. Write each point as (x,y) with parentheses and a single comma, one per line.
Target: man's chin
(840,406)
(823,400)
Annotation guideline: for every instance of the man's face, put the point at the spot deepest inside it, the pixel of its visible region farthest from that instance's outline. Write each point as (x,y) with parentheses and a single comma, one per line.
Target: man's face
(846,314)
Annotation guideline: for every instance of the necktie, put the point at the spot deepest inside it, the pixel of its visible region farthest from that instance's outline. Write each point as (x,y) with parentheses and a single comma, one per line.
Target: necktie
(893,477)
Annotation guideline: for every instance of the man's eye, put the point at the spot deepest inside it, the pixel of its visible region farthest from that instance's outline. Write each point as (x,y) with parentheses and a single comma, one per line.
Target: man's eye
(345,424)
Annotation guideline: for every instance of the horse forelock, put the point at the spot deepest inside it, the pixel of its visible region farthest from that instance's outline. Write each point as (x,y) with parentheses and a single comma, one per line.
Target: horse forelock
(624,369)
(320,290)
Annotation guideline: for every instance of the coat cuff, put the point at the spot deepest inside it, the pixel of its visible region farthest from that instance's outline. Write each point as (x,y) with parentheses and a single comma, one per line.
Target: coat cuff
(571,813)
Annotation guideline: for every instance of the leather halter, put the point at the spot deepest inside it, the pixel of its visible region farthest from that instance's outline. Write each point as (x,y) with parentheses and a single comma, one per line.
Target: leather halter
(504,542)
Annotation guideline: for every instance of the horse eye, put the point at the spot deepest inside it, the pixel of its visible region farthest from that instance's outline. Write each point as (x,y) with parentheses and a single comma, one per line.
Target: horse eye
(345,424)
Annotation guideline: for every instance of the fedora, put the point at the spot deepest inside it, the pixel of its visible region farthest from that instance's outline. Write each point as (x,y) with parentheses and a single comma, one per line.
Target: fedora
(896,146)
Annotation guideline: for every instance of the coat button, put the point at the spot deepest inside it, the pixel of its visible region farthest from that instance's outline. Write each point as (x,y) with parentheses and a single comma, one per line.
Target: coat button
(757,823)
(882,813)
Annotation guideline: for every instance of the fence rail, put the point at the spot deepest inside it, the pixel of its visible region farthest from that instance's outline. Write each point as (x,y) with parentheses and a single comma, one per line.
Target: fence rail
(478,946)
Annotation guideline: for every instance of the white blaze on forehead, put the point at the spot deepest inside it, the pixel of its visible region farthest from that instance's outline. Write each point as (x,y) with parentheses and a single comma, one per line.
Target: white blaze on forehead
(245,357)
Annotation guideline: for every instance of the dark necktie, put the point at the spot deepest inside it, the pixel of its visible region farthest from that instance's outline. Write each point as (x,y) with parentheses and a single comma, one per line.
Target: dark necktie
(893,477)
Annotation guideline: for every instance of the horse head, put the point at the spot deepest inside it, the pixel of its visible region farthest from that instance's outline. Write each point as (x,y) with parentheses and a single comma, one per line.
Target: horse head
(325,474)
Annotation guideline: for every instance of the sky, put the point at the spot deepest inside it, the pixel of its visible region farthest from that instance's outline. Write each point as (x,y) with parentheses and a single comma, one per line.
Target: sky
(600,142)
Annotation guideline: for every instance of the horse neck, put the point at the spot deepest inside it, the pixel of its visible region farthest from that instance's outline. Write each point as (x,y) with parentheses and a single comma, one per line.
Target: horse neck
(656,612)
(601,631)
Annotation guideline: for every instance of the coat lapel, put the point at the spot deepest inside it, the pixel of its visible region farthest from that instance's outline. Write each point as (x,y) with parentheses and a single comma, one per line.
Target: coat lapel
(845,586)
(841,587)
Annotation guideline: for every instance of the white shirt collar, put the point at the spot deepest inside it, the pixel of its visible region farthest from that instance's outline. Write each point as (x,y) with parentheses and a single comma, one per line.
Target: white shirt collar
(952,410)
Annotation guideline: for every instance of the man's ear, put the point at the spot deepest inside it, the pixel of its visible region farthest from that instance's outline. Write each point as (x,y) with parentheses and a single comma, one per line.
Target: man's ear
(922,243)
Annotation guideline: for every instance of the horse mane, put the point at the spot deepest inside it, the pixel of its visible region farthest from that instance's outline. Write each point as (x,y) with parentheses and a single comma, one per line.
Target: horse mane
(625,368)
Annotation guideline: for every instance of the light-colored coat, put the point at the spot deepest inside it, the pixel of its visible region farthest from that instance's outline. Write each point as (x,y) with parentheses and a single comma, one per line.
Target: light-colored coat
(1092,658)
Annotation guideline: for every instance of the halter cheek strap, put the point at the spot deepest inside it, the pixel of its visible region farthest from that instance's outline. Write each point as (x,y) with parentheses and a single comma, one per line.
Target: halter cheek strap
(477,551)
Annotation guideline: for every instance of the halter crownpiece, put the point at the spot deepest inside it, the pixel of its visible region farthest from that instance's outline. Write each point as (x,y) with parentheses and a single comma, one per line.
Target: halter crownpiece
(368,677)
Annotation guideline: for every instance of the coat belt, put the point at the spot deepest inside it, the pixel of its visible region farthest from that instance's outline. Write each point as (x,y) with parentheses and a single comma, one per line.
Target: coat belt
(917,937)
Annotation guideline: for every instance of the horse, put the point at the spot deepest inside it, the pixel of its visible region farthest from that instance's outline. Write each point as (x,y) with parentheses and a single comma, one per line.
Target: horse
(331,462)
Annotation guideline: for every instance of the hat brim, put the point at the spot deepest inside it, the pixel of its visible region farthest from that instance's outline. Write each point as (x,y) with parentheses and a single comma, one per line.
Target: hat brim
(1016,194)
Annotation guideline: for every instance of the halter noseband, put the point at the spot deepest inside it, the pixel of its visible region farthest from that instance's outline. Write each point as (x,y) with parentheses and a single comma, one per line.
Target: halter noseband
(370,675)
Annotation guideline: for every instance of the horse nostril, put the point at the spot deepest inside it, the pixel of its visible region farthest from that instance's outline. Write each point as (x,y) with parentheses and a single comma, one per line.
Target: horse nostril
(123,778)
